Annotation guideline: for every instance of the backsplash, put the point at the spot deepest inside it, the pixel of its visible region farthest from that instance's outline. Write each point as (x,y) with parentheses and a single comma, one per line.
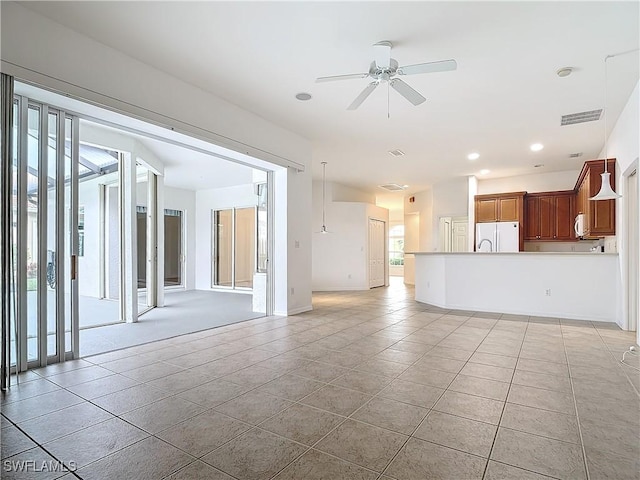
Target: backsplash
(580,246)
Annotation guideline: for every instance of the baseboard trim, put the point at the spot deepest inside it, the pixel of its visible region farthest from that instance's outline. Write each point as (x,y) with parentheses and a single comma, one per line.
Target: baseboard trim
(293,311)
(341,289)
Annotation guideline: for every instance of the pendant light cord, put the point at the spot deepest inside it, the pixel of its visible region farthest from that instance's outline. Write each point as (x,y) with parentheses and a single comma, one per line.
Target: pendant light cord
(606,159)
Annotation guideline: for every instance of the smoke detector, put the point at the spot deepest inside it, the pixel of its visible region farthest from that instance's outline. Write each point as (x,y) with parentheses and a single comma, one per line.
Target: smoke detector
(564,72)
(396,153)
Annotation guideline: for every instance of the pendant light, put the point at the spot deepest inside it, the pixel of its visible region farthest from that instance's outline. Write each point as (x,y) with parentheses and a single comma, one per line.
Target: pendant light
(324,196)
(606,192)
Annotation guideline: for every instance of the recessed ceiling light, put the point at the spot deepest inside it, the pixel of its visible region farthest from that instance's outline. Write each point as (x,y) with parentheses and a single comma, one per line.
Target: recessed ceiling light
(564,72)
(484,171)
(536,147)
(303,96)
(538,165)
(473,156)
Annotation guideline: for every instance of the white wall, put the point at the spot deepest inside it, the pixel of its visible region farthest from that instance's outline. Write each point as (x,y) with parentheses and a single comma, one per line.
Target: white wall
(536,182)
(342,193)
(623,144)
(74,64)
(422,217)
(450,199)
(89,263)
(411,244)
(341,257)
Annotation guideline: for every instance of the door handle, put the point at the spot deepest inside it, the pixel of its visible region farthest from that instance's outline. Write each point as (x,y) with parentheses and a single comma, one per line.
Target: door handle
(74,269)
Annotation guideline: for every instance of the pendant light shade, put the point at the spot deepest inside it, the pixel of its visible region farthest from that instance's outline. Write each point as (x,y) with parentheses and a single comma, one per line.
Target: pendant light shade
(606,192)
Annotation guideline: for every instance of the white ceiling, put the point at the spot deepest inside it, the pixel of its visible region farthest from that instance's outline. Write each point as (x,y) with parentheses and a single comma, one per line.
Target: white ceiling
(188,169)
(504,96)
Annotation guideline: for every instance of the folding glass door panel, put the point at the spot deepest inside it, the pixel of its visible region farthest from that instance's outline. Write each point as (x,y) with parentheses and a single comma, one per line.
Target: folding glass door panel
(44,234)
(146,235)
(223,248)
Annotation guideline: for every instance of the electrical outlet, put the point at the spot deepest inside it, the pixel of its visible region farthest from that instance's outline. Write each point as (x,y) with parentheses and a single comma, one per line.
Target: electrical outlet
(297,244)
(349,276)
(547,292)
(573,248)
(428,284)
(292,291)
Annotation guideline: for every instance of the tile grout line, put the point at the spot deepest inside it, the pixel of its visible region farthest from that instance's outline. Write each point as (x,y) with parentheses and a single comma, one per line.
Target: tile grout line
(575,405)
(438,399)
(493,443)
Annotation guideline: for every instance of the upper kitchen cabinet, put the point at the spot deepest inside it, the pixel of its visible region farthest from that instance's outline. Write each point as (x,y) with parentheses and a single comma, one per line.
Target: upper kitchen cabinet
(549,216)
(600,215)
(502,207)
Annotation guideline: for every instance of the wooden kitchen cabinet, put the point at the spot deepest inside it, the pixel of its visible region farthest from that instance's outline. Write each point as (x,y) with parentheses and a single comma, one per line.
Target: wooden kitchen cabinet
(486,210)
(549,216)
(599,216)
(500,207)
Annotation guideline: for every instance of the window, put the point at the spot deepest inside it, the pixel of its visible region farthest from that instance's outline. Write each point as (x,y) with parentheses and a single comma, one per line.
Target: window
(396,246)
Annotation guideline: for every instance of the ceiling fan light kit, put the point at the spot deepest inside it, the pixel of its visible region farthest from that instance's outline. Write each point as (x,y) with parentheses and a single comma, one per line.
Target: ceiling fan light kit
(385,69)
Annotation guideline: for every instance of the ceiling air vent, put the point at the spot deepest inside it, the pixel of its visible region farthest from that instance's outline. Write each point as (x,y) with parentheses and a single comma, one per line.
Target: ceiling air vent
(581,117)
(393,187)
(396,153)
(575,155)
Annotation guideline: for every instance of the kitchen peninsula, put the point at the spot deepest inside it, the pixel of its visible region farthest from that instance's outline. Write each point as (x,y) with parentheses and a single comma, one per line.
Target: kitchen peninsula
(581,286)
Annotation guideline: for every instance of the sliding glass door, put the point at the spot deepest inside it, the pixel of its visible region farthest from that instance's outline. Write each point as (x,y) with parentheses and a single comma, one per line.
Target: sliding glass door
(234,233)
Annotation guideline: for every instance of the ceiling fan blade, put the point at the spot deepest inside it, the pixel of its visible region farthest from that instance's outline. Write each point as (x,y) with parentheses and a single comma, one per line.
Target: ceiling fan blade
(382,54)
(363,96)
(431,67)
(407,92)
(341,77)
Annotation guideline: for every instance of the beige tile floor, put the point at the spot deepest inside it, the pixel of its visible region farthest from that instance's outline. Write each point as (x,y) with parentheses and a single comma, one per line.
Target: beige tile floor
(369,385)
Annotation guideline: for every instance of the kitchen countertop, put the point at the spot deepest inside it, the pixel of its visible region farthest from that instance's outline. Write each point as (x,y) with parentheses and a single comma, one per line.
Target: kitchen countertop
(510,253)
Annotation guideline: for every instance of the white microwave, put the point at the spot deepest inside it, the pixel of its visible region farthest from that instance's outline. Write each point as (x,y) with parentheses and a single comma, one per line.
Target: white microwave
(578,226)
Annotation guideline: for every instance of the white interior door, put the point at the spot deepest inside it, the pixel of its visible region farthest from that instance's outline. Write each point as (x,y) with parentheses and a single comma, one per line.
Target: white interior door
(445,234)
(377,244)
(459,237)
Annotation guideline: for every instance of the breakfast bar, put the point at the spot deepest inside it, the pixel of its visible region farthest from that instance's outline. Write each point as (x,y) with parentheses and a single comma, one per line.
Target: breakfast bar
(581,286)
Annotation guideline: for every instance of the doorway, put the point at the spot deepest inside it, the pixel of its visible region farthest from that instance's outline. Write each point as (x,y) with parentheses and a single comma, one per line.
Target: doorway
(453,234)
(234,233)
(377,249)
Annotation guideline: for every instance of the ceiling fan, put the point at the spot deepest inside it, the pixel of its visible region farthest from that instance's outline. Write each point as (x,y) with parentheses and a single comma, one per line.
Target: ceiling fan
(386,69)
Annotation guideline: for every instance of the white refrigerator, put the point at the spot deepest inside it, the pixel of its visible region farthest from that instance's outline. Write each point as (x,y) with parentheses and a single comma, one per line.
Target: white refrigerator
(498,237)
